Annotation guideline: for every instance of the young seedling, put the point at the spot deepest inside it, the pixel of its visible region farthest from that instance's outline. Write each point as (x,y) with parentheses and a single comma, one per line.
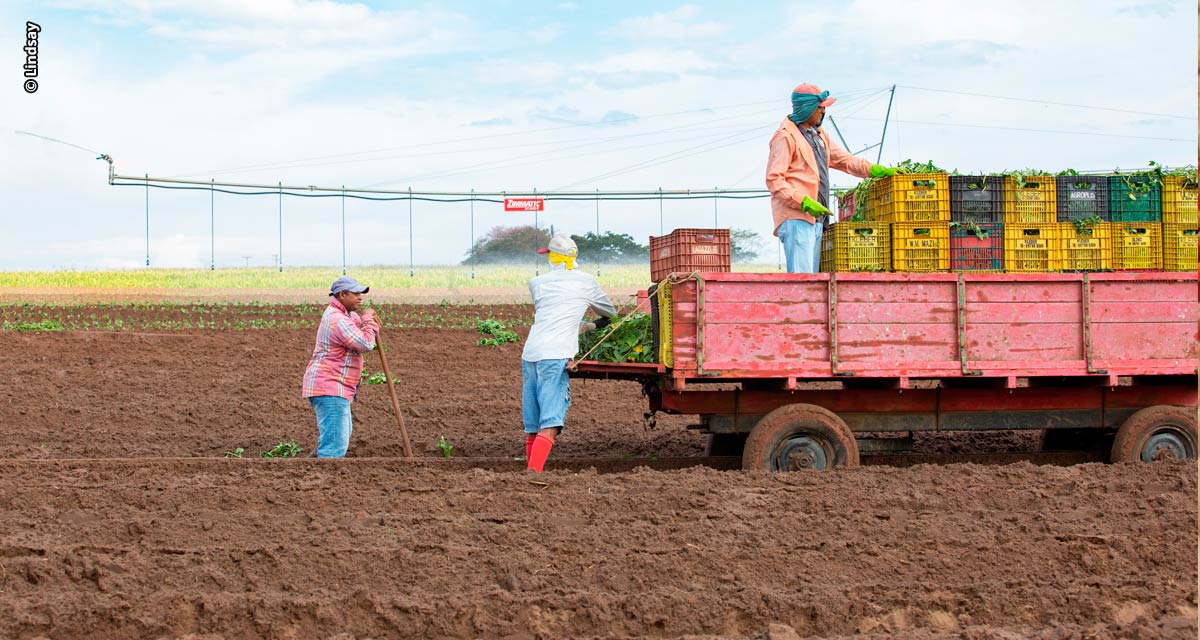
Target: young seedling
(287,449)
(446,447)
(236,453)
(497,333)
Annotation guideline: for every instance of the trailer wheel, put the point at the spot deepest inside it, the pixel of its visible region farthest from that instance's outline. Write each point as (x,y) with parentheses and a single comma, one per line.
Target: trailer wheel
(799,437)
(1157,433)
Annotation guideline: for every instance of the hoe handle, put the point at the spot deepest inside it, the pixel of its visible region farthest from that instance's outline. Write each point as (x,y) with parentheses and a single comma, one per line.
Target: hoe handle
(387,373)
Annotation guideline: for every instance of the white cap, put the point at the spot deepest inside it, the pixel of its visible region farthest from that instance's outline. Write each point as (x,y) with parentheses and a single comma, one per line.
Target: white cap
(563,244)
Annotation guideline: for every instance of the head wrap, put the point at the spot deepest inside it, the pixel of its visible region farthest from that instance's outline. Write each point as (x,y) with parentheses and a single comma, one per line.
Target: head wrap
(804,104)
(558,258)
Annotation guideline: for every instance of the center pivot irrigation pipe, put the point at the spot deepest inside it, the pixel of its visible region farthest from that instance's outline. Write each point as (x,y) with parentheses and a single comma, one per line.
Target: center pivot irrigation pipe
(387,374)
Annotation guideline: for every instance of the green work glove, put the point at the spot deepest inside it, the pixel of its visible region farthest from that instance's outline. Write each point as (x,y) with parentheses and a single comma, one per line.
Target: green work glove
(813,207)
(880,171)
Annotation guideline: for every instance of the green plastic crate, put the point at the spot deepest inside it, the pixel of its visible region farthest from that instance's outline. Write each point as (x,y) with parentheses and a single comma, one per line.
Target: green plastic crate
(1143,207)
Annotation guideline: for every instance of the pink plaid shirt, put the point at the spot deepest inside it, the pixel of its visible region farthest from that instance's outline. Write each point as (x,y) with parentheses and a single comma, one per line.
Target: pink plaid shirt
(337,361)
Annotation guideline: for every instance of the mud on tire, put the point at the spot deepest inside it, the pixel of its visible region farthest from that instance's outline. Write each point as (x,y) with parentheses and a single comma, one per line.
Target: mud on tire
(1157,433)
(799,437)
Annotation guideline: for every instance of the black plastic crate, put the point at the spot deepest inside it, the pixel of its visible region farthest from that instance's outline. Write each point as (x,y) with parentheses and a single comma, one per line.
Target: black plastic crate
(978,199)
(1082,197)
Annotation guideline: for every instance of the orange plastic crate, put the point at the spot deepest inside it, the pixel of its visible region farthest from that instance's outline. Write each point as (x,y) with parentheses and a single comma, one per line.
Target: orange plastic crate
(688,250)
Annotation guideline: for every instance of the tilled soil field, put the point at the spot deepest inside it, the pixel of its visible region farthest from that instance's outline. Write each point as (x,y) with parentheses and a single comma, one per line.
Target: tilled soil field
(120,518)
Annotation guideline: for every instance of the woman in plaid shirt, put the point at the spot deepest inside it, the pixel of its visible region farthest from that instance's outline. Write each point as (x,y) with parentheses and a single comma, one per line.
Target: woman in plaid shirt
(331,378)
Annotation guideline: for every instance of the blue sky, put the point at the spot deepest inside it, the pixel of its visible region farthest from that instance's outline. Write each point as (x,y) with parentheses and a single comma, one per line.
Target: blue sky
(517,95)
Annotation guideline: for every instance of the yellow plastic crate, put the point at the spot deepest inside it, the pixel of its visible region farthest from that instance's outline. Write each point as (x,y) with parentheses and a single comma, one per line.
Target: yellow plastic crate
(1178,200)
(1137,246)
(1085,248)
(857,246)
(1032,247)
(1034,202)
(1179,246)
(912,197)
(920,246)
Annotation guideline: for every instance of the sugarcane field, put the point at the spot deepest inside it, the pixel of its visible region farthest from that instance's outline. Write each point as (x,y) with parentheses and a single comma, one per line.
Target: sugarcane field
(780,320)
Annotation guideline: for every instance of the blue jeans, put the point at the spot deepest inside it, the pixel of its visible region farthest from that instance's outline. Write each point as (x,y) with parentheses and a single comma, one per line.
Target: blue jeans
(334,425)
(801,245)
(545,394)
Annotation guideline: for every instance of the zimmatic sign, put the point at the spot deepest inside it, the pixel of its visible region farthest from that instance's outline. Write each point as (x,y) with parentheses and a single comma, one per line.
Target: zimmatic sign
(524,204)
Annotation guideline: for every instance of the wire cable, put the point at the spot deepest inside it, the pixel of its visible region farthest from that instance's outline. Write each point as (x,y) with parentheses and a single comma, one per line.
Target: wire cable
(1047,102)
(847,96)
(1000,128)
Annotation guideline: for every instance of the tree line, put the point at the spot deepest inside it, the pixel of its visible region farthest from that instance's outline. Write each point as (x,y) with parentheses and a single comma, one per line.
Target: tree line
(519,244)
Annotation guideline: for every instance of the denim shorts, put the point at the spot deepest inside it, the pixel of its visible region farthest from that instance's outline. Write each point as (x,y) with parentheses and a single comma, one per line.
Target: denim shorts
(545,394)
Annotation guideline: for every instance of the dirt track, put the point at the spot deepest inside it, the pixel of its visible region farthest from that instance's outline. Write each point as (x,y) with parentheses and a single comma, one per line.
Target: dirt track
(145,547)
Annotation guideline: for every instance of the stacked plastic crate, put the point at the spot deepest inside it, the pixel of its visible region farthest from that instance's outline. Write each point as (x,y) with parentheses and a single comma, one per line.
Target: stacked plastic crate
(1179,223)
(976,224)
(917,205)
(1135,207)
(851,245)
(1031,232)
(1084,231)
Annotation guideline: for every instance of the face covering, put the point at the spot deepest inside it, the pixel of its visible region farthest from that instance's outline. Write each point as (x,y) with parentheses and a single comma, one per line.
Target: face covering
(558,258)
(804,104)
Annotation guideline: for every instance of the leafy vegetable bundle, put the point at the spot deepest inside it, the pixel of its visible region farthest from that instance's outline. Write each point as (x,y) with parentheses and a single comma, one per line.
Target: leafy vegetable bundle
(629,338)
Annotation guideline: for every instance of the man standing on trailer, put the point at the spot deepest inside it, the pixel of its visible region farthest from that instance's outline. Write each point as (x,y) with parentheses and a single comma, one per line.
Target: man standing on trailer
(798,177)
(332,376)
(560,298)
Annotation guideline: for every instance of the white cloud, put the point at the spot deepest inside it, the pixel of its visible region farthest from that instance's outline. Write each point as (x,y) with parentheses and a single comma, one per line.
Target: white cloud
(227,26)
(672,61)
(679,24)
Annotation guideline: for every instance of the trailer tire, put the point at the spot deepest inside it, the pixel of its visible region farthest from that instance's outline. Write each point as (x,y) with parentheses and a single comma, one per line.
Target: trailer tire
(1160,432)
(798,437)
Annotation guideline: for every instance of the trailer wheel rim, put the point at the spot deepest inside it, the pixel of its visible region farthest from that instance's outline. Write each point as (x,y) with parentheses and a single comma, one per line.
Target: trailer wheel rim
(1168,443)
(802,453)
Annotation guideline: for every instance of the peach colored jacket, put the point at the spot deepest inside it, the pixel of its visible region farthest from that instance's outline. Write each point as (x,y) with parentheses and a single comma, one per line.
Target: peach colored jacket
(792,171)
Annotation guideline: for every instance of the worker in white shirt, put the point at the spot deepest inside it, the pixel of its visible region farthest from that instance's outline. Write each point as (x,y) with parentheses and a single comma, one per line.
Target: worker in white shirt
(560,298)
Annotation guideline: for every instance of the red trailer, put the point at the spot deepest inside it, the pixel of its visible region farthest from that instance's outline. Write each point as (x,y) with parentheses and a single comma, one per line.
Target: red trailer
(803,370)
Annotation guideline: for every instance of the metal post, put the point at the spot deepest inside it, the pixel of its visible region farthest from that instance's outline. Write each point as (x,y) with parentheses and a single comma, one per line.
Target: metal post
(147,221)
(537,265)
(597,225)
(472,234)
(343,229)
(280,227)
(716,225)
(212,226)
(410,234)
(660,211)
(839,133)
(879,158)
